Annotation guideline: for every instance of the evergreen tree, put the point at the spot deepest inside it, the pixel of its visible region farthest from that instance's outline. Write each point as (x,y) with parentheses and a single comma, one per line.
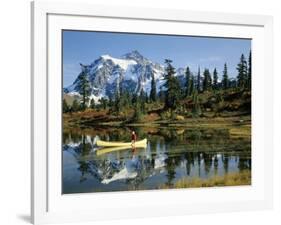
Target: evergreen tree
(129,98)
(153,93)
(125,99)
(122,97)
(198,80)
(172,85)
(142,100)
(191,85)
(215,79)
(103,101)
(225,80)
(75,106)
(196,109)
(117,101)
(242,72)
(187,81)
(117,105)
(207,82)
(210,80)
(110,102)
(92,104)
(161,95)
(146,98)
(250,70)
(137,108)
(134,98)
(84,88)
(65,107)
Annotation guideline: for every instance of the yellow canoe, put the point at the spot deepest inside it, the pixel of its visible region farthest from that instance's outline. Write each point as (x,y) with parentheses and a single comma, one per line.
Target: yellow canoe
(140,143)
(114,149)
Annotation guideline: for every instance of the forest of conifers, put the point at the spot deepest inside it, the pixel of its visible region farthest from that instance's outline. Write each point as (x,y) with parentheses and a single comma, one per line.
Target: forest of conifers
(202,95)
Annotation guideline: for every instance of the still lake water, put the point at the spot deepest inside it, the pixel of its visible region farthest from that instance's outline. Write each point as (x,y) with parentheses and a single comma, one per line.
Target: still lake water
(171,154)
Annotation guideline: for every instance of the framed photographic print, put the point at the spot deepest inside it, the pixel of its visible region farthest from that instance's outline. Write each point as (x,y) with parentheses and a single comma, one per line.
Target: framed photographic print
(149,112)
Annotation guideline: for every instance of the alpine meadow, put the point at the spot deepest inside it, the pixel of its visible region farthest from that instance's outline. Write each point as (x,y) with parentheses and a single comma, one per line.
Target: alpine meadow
(151,111)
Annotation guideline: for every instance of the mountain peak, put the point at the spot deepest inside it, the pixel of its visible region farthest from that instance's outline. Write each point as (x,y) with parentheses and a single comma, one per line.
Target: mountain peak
(135,55)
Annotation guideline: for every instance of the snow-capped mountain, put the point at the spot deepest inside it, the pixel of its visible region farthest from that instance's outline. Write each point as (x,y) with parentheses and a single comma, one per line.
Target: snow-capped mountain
(131,72)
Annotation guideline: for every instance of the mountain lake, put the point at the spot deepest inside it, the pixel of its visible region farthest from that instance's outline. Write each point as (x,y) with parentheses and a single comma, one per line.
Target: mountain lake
(171,154)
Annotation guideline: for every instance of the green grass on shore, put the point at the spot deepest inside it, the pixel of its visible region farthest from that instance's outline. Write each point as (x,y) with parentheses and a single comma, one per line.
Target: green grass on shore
(231,179)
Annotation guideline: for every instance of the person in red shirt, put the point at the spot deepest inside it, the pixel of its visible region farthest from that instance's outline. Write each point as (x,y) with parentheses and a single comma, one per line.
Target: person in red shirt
(133,138)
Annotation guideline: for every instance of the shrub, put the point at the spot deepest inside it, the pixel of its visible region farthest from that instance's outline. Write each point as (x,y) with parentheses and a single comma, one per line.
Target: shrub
(180,118)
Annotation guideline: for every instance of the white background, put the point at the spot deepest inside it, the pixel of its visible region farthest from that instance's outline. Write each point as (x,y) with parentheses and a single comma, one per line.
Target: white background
(15,109)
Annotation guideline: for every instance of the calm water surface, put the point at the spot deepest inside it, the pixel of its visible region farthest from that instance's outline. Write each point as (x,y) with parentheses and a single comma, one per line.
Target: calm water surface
(171,154)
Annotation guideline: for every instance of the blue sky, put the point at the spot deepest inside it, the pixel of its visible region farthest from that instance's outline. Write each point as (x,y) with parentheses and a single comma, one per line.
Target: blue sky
(85,47)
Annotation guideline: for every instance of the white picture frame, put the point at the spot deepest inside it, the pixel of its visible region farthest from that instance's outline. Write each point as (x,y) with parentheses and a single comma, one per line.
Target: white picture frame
(48,205)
